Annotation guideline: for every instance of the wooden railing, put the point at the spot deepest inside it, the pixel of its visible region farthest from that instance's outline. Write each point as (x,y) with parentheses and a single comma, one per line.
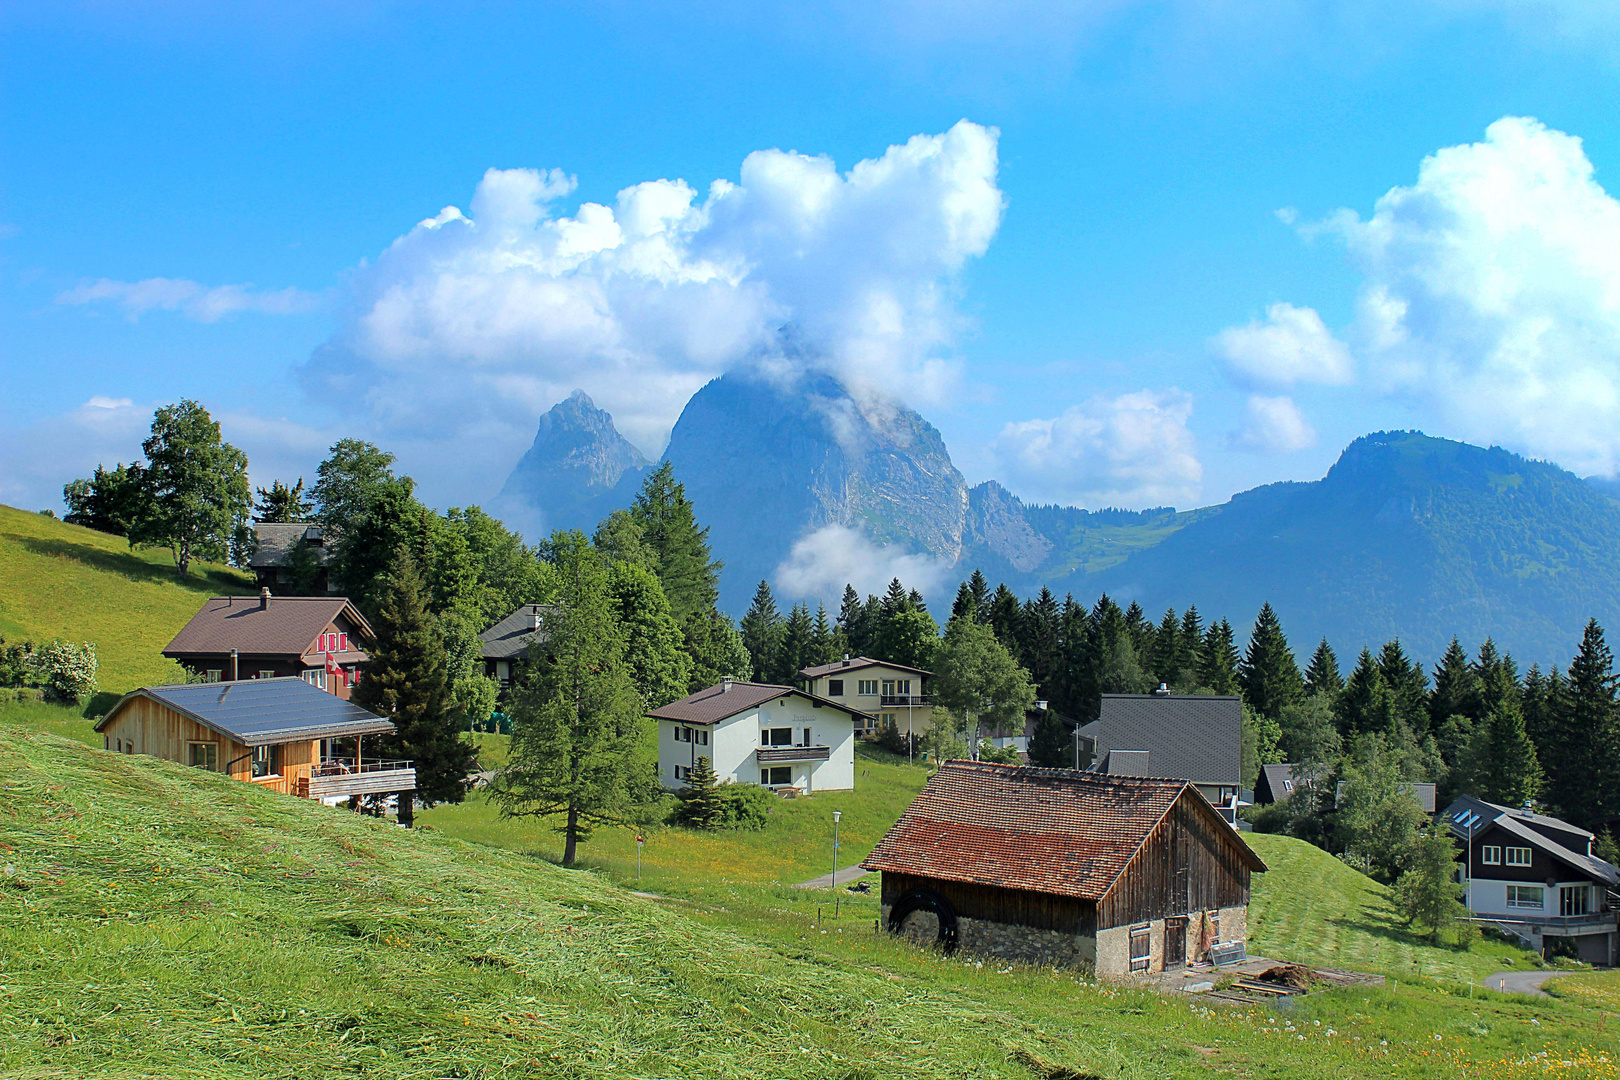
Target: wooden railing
(346,776)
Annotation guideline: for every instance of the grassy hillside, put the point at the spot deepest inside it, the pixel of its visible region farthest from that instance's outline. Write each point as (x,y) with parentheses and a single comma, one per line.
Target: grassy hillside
(158,921)
(64,581)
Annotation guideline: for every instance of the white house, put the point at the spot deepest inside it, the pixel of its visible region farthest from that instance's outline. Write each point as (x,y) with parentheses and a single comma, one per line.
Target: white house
(751,733)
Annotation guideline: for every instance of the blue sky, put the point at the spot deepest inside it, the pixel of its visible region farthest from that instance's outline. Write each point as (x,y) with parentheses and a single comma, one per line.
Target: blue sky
(1153,267)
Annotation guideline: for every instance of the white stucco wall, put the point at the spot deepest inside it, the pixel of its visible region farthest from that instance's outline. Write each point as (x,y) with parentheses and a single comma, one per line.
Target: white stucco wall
(1489,897)
(733,742)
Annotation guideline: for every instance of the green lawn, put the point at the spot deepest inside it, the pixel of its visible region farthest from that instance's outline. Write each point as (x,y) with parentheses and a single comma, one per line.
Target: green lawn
(63,581)
(162,922)
(67,721)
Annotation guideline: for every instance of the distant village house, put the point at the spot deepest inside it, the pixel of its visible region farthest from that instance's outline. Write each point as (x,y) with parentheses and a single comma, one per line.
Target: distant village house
(883,693)
(1197,737)
(507,643)
(317,639)
(1118,874)
(275,555)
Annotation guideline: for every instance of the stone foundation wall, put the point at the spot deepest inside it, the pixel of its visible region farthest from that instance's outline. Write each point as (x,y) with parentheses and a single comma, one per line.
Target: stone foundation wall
(1006,941)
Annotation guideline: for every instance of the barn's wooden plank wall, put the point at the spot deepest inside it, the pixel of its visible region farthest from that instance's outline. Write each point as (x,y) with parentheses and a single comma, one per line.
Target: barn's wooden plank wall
(1065,914)
(1188,863)
(144,726)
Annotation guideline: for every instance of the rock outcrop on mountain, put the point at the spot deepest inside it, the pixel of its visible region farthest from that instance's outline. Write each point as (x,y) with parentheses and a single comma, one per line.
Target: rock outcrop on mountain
(578,470)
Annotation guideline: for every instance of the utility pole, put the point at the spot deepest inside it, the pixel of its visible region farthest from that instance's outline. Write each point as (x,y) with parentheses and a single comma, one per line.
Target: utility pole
(836,895)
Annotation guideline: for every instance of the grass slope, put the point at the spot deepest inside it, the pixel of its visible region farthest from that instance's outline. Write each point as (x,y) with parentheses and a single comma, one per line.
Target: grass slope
(63,581)
(158,921)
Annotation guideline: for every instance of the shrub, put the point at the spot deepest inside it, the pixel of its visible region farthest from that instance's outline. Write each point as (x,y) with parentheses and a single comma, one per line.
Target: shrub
(705,803)
(16,667)
(1271,818)
(1003,755)
(895,741)
(66,671)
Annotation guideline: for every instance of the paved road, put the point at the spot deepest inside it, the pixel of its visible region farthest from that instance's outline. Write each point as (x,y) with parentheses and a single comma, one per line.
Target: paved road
(1521,982)
(827,881)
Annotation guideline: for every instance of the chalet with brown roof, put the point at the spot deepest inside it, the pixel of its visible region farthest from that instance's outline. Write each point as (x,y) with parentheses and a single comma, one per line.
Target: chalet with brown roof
(883,692)
(317,639)
(1117,874)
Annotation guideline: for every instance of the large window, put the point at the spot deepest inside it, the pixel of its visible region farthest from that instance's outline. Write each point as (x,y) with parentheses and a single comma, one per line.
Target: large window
(835,687)
(266,761)
(1517,856)
(866,686)
(1524,896)
(776,736)
(204,755)
(776,775)
(1573,900)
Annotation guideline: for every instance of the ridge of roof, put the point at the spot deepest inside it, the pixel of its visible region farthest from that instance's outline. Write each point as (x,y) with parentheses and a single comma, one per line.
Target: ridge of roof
(706,705)
(855,663)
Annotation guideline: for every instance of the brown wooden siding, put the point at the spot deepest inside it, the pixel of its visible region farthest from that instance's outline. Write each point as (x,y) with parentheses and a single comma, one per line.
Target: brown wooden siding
(1188,863)
(144,726)
(1065,914)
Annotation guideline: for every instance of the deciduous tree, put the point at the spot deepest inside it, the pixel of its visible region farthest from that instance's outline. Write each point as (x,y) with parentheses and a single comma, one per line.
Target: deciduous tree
(196,497)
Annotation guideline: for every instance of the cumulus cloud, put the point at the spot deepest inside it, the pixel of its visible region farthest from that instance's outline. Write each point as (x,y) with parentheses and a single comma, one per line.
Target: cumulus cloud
(824,560)
(477,322)
(1274,425)
(1291,345)
(1132,450)
(1492,295)
(195,301)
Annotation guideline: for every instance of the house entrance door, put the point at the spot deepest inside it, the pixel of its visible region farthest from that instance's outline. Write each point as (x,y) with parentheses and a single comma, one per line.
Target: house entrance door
(1175,941)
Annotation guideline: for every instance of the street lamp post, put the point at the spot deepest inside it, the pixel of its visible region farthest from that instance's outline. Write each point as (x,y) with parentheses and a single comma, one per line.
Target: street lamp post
(836,895)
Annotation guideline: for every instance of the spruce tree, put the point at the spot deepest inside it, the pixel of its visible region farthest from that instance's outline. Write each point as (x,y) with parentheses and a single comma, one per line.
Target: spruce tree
(1536,699)
(1408,686)
(1456,688)
(793,649)
(1139,628)
(1268,675)
(1051,745)
(762,633)
(1006,618)
(1500,764)
(1498,678)
(1073,627)
(852,620)
(1582,760)
(962,606)
(1190,654)
(699,804)
(655,647)
(1363,708)
(582,747)
(407,682)
(915,599)
(823,640)
(716,650)
(979,588)
(1219,670)
(691,580)
(1166,663)
(895,599)
(1041,654)
(1322,673)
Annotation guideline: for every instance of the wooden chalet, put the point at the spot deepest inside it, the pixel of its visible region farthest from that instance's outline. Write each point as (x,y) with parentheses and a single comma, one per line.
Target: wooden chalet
(1118,874)
(318,639)
(281,734)
(506,644)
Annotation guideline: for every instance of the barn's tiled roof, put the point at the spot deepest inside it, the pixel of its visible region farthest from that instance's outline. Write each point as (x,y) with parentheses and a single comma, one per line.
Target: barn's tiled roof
(262,712)
(724,699)
(856,663)
(1039,830)
(513,635)
(289,626)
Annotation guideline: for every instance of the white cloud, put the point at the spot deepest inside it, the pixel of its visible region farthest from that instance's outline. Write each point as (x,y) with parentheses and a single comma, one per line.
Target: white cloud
(1133,450)
(1274,425)
(1290,346)
(1492,294)
(473,325)
(824,560)
(195,301)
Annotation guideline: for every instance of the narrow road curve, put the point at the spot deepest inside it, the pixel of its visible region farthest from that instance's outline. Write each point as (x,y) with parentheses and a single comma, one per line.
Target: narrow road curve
(1521,982)
(827,881)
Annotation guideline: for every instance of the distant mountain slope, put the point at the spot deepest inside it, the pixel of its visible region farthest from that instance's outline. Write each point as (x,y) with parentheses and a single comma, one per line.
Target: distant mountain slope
(1407,536)
(578,470)
(64,581)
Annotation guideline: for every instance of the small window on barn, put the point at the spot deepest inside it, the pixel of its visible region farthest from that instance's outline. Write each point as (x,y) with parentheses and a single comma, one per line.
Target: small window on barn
(1141,947)
(204,755)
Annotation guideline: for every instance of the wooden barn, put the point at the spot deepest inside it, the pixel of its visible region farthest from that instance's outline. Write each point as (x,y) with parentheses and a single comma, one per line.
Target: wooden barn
(1119,874)
(281,734)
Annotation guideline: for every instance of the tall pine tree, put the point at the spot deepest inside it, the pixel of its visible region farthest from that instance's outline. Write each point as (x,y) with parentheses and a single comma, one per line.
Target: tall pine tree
(1322,673)
(1500,764)
(762,630)
(859,630)
(1219,670)
(691,580)
(1006,617)
(793,651)
(1041,649)
(1581,761)
(1268,675)
(1408,686)
(1456,688)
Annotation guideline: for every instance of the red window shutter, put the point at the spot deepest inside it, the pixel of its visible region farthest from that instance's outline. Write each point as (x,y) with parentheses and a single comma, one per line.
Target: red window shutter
(343,643)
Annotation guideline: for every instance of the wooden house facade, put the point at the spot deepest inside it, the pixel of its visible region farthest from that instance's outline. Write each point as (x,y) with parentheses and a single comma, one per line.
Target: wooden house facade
(321,640)
(1119,874)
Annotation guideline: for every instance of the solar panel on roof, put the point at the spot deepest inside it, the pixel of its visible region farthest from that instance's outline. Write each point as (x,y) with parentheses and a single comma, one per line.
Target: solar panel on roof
(261,711)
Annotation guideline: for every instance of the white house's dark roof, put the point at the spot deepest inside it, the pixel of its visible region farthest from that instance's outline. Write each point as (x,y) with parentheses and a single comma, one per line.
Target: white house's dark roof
(726,699)
(261,712)
(1193,737)
(1527,826)
(513,635)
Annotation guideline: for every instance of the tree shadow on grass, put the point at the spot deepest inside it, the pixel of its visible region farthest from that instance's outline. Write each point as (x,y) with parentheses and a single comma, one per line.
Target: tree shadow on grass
(128,565)
(1385,923)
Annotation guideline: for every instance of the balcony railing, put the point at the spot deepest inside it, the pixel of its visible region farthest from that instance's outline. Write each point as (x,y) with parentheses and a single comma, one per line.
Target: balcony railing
(345,776)
(895,701)
(767,754)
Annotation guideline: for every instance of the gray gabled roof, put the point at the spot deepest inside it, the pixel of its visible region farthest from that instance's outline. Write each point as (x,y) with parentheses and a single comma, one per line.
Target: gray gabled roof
(512,636)
(275,540)
(1469,810)
(1279,780)
(261,712)
(726,699)
(1190,736)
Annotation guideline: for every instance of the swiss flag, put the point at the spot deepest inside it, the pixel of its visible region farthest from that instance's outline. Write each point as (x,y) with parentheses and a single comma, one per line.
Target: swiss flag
(332,667)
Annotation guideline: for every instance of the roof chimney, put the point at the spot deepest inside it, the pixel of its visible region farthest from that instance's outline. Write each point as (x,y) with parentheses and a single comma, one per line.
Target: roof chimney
(1163,690)
(264,598)
(846,659)
(725,685)
(537,616)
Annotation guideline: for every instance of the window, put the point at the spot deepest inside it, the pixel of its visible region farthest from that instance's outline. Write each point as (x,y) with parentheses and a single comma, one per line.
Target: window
(866,686)
(214,674)
(266,761)
(1141,947)
(316,677)
(682,772)
(204,755)
(835,687)
(1524,896)
(776,736)
(1288,785)
(887,718)
(129,748)
(1518,856)
(1572,900)
(902,686)
(267,673)
(1490,855)
(776,775)
(703,738)
(683,735)
(888,688)
(808,740)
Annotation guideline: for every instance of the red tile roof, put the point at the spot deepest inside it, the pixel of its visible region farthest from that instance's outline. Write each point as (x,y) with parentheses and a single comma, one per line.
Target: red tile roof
(716,703)
(288,627)
(855,664)
(1039,830)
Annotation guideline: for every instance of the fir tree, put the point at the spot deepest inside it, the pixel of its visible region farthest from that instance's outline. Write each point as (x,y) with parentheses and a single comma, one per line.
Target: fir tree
(824,647)
(1500,764)
(1190,651)
(1051,745)
(1139,628)
(691,580)
(407,682)
(1005,617)
(792,654)
(979,588)
(655,648)
(762,633)
(1364,707)
(582,748)
(1456,688)
(1427,894)
(1166,664)
(1408,687)
(1582,758)
(1041,650)
(1219,670)
(699,804)
(1268,675)
(716,650)
(963,606)
(852,620)
(1322,673)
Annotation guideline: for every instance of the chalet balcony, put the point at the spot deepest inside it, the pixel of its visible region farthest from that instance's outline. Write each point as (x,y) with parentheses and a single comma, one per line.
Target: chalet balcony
(783,754)
(1597,922)
(900,701)
(341,778)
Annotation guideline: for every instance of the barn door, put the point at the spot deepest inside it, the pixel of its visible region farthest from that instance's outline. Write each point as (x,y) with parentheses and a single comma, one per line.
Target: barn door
(1175,941)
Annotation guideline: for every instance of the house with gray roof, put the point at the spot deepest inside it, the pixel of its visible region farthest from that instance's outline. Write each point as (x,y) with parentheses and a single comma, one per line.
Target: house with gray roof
(281,734)
(507,643)
(1193,737)
(1535,876)
(275,547)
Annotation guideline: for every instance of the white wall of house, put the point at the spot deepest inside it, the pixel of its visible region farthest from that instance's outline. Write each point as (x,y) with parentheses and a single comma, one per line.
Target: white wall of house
(731,746)
(862,688)
(1487,896)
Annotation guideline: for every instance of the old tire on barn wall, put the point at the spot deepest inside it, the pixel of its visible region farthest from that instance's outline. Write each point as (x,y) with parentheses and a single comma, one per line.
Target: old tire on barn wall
(925,899)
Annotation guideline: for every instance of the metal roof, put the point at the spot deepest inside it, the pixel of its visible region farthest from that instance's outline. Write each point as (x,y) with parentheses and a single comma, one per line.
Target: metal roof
(1192,736)
(1052,831)
(261,712)
(287,626)
(726,699)
(1469,810)
(513,635)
